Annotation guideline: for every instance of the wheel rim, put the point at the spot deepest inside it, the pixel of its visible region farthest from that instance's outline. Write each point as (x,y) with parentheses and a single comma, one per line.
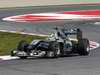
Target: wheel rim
(50,54)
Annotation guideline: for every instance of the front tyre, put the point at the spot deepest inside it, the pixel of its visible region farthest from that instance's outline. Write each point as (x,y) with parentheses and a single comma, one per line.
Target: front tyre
(23,57)
(53,51)
(22,46)
(13,52)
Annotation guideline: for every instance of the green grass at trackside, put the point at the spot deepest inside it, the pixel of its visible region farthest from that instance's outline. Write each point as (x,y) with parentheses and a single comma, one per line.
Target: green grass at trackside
(8,41)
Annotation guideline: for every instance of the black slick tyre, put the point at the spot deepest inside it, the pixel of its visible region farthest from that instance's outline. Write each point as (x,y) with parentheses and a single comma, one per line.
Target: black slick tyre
(23,57)
(83,47)
(53,50)
(22,46)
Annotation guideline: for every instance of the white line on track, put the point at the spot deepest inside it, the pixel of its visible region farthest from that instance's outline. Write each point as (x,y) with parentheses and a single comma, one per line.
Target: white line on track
(8,57)
(22,32)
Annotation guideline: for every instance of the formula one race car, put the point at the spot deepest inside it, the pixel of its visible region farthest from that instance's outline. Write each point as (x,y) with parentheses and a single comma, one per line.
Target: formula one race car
(62,42)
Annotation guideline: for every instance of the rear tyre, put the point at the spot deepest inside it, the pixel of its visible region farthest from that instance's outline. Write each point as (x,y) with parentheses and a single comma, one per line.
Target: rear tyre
(74,46)
(83,47)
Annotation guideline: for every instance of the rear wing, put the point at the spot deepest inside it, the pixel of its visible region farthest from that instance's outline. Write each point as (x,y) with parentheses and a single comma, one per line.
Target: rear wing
(77,32)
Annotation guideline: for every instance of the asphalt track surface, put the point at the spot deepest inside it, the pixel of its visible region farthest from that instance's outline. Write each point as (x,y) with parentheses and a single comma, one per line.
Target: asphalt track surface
(72,65)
